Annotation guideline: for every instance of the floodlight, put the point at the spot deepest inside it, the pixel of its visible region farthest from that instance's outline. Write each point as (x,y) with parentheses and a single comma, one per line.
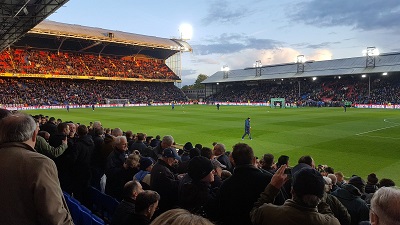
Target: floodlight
(314,78)
(186,31)
(385,73)
(364,76)
(225,68)
(371,51)
(301,59)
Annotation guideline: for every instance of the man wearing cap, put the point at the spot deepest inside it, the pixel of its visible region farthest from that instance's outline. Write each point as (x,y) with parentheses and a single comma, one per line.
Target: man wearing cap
(164,181)
(307,191)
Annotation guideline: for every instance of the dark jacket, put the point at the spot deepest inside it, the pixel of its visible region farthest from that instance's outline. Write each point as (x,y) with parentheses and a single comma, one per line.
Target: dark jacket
(349,196)
(122,213)
(238,193)
(81,160)
(166,183)
(138,219)
(138,145)
(198,198)
(338,209)
(224,160)
(290,213)
(49,127)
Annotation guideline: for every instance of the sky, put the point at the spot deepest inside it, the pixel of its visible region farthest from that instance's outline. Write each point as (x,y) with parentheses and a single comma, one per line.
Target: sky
(239,33)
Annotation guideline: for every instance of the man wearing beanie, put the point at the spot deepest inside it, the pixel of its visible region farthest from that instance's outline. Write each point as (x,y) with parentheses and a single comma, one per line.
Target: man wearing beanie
(196,195)
(307,191)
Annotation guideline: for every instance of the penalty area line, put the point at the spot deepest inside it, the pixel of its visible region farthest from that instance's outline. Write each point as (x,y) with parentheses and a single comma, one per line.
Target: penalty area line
(381,137)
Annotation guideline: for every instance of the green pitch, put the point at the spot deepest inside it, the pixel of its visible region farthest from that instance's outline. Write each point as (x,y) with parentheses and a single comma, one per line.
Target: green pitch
(359,141)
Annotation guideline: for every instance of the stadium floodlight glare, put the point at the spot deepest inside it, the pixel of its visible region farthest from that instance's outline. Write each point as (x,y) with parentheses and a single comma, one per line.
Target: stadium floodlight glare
(371,51)
(314,78)
(364,75)
(186,31)
(301,59)
(384,74)
(225,68)
(257,64)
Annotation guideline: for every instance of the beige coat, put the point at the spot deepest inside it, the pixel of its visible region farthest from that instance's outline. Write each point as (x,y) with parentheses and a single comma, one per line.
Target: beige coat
(30,192)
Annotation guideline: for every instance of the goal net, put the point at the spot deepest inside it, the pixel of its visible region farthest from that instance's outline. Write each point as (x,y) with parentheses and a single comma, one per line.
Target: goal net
(278,102)
(117,101)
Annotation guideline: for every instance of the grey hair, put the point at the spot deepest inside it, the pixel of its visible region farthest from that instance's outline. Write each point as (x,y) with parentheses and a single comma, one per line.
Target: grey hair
(18,127)
(168,139)
(116,132)
(385,204)
(96,124)
(118,139)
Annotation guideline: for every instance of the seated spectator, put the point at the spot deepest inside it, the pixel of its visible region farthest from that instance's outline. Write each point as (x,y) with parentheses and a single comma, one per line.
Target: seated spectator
(338,209)
(146,205)
(282,160)
(340,179)
(126,207)
(180,217)
(144,174)
(307,191)
(334,181)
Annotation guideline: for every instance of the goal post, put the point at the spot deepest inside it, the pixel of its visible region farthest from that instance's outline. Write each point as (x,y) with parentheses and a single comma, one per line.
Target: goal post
(279,101)
(117,101)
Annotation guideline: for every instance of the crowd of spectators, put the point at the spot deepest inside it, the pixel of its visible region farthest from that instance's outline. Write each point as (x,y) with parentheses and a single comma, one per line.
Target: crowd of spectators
(33,92)
(329,91)
(162,184)
(32,61)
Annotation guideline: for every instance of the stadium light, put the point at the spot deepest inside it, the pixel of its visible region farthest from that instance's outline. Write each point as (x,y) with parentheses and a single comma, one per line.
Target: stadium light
(257,64)
(364,76)
(314,78)
(301,59)
(384,74)
(225,68)
(371,51)
(186,31)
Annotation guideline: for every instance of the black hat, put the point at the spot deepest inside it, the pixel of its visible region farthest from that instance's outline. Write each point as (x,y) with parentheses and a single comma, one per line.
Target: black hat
(145,162)
(308,181)
(194,152)
(372,179)
(357,182)
(171,153)
(199,167)
(187,147)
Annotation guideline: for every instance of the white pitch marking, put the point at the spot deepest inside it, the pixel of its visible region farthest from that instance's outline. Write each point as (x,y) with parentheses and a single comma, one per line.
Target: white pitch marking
(381,137)
(385,120)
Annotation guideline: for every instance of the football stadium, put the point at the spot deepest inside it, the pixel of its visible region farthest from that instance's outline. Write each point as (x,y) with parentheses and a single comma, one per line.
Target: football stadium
(114,121)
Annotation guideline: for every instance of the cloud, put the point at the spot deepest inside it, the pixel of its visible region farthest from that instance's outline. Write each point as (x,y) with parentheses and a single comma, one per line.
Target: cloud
(359,14)
(230,43)
(322,45)
(220,11)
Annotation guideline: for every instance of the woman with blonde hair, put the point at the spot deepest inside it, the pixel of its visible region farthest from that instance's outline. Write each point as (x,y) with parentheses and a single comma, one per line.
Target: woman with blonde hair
(180,217)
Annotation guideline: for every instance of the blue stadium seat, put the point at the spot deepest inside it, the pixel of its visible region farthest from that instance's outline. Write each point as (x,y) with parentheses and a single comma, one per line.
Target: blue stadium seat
(85,218)
(109,204)
(96,200)
(96,220)
(75,210)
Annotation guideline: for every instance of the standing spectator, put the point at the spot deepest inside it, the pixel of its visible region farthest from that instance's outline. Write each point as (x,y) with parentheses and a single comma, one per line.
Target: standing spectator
(164,181)
(155,142)
(138,144)
(50,126)
(166,142)
(268,163)
(372,182)
(81,172)
(385,207)
(144,174)
(238,193)
(307,191)
(30,192)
